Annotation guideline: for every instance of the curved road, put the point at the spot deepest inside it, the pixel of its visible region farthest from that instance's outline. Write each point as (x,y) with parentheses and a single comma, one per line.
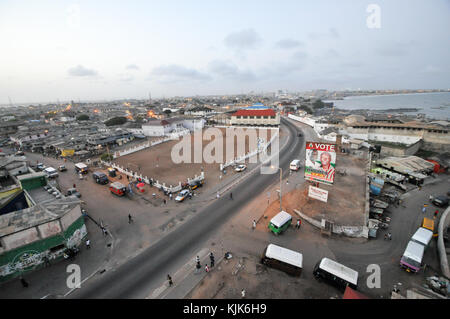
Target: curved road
(137,277)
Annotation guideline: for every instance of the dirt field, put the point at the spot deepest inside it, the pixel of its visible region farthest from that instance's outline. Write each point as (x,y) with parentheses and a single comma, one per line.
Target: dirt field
(157,163)
(228,279)
(346,198)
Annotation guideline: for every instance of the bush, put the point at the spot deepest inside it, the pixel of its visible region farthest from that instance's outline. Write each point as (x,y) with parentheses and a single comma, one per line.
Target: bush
(106,157)
(119,120)
(83,117)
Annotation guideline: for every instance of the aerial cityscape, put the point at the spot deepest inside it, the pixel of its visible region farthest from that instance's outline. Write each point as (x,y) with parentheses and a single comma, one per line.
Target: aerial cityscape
(224,151)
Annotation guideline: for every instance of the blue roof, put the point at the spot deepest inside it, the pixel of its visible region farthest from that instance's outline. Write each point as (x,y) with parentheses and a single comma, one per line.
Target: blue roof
(258,106)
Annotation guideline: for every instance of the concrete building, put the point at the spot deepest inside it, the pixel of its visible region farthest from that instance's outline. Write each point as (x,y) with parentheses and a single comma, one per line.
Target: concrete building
(43,227)
(255,117)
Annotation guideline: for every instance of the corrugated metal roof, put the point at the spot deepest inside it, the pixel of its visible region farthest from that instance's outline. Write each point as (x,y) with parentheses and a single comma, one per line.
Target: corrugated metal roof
(267,112)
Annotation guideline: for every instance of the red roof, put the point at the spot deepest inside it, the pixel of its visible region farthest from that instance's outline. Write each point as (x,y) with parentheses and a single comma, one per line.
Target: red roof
(268,112)
(353,294)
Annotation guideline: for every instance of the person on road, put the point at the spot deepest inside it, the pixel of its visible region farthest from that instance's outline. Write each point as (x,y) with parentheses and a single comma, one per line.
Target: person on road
(88,244)
(436,212)
(218,195)
(254,224)
(170,280)
(74,186)
(299,223)
(23,282)
(130,219)
(389,236)
(211,257)
(170,196)
(424,209)
(231,195)
(206,268)
(165,201)
(197,267)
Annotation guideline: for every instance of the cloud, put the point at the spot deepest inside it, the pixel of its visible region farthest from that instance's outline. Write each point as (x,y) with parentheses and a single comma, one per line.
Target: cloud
(229,70)
(288,44)
(243,40)
(80,70)
(395,49)
(176,73)
(126,77)
(132,67)
(331,33)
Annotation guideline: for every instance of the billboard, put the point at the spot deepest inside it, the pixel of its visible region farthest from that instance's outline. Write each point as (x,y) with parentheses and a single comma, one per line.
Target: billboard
(320,162)
(317,193)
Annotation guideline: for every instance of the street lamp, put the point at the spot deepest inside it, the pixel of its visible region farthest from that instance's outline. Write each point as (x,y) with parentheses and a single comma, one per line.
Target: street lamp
(281,174)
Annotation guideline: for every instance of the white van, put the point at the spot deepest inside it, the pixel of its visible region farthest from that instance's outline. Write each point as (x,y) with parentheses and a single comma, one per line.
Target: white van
(295,165)
(51,172)
(283,259)
(412,257)
(81,168)
(422,236)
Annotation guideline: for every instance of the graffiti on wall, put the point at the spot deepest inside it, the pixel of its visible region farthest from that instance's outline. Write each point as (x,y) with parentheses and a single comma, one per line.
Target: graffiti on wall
(24,260)
(77,236)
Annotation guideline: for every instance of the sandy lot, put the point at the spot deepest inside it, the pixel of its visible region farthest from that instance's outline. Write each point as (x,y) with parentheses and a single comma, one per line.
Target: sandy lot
(157,162)
(246,272)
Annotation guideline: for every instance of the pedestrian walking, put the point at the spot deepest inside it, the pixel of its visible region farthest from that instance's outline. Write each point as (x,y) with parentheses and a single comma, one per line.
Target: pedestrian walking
(197,259)
(385,236)
(243,293)
(431,198)
(88,244)
(299,223)
(170,280)
(170,196)
(424,209)
(218,195)
(206,268)
(165,201)
(197,267)
(436,212)
(105,233)
(231,195)
(390,236)
(24,282)
(46,261)
(74,186)
(254,224)
(211,257)
(130,219)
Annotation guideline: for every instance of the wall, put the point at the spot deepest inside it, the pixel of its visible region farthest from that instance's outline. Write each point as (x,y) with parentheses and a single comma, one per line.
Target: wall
(400,151)
(305,120)
(31,247)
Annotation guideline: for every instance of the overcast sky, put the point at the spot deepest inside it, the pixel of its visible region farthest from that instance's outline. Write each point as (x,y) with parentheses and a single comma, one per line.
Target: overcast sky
(96,50)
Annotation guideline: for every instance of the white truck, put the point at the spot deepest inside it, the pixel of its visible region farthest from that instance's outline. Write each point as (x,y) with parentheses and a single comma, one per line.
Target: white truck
(51,172)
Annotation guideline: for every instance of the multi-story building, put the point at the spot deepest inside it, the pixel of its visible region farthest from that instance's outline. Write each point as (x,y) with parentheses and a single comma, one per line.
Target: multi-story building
(255,117)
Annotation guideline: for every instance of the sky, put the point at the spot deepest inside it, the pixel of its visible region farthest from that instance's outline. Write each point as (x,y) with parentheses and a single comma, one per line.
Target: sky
(102,50)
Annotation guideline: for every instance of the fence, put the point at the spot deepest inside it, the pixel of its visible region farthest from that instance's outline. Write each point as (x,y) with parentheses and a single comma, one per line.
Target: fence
(170,137)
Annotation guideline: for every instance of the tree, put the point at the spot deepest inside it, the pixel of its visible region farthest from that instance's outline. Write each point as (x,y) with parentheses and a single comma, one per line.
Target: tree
(318,104)
(119,120)
(106,157)
(306,108)
(83,117)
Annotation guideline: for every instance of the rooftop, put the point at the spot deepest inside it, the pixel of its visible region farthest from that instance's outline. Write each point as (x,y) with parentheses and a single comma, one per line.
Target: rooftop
(265,112)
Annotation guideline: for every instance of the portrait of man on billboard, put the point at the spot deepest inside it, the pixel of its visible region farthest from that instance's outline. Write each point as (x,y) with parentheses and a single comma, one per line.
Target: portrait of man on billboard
(320,162)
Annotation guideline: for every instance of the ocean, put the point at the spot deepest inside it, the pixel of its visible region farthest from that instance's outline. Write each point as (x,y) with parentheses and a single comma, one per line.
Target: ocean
(433,105)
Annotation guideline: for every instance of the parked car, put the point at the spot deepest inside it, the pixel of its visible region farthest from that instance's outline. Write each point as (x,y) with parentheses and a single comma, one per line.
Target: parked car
(20,153)
(100,178)
(240,168)
(62,168)
(440,201)
(195,185)
(73,192)
(118,189)
(182,195)
(40,166)
(51,172)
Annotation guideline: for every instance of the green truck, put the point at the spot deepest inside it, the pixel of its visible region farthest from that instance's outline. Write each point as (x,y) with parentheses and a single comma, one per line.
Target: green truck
(280,222)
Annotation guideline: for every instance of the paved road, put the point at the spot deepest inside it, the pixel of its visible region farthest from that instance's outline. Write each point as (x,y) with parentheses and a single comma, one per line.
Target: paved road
(139,276)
